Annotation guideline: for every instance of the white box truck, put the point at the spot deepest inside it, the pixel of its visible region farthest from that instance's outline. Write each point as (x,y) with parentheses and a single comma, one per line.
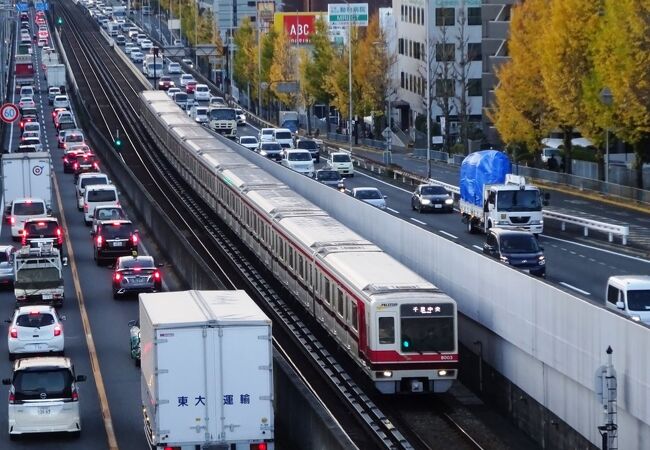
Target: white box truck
(207,360)
(26,175)
(55,74)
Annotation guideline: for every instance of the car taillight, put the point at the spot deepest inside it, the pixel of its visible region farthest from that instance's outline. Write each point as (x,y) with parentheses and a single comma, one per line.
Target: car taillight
(24,239)
(59,235)
(117,277)
(75,395)
(57,330)
(75,166)
(65,160)
(134,239)
(12,220)
(156,275)
(95,165)
(85,207)
(260,446)
(13,332)
(100,240)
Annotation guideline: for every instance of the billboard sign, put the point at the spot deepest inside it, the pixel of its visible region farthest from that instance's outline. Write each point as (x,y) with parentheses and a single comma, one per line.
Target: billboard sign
(355,14)
(297,26)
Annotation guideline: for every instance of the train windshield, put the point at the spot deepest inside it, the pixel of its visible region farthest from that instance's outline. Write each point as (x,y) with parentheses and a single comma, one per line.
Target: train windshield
(427,328)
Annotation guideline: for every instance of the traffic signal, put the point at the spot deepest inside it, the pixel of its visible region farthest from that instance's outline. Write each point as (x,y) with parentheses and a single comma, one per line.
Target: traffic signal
(117,143)
(59,21)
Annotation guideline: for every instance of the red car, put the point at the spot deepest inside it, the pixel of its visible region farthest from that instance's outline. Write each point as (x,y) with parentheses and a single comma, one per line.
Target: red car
(165,83)
(190,87)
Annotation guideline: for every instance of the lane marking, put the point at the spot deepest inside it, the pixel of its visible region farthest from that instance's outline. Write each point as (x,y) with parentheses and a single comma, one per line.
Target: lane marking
(591,247)
(449,234)
(574,288)
(418,221)
(90,342)
(392,210)
(382,182)
(477,247)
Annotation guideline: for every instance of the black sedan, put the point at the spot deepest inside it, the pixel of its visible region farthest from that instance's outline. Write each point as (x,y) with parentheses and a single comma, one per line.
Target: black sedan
(429,197)
(135,274)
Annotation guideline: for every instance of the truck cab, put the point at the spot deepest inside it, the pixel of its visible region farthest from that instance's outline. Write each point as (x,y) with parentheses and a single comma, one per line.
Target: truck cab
(223,121)
(630,295)
(514,205)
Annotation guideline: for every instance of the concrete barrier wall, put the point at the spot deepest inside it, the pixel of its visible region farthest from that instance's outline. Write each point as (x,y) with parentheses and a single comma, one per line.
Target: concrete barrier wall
(546,341)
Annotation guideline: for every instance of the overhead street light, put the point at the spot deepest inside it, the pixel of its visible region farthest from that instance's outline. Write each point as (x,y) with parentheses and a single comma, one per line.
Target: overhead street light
(606,98)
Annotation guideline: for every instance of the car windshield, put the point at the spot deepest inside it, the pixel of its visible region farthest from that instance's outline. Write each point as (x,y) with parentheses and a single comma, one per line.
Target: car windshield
(74,137)
(427,334)
(340,158)
(29,112)
(42,384)
(117,230)
(309,145)
(248,140)
(299,156)
(101,195)
(174,66)
(202,89)
(88,181)
(271,146)
(109,213)
(139,263)
(526,200)
(283,135)
(180,97)
(523,243)
(35,319)
(368,194)
(67,125)
(638,300)
(29,209)
(41,228)
(222,114)
(268,131)
(433,190)
(328,175)
(201,111)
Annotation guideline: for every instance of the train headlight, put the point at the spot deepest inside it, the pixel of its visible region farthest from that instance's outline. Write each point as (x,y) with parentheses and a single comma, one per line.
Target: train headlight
(387,373)
(442,373)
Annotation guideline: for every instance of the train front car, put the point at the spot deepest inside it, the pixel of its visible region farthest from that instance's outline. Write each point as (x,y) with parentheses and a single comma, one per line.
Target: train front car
(415,343)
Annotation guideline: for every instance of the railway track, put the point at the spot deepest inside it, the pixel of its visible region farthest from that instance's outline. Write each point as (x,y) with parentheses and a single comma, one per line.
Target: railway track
(113,90)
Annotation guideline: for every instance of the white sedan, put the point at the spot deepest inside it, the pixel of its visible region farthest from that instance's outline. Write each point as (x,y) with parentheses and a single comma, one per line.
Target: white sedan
(174,67)
(185,78)
(371,196)
(35,329)
(250,142)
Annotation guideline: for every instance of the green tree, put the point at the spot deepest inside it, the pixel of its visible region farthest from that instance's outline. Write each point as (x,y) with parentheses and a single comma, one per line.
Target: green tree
(521,113)
(244,60)
(314,73)
(306,93)
(622,63)
(283,68)
(268,49)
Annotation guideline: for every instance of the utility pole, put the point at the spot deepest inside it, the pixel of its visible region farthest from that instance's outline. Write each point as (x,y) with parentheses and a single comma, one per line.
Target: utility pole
(349,75)
(259,59)
(428,62)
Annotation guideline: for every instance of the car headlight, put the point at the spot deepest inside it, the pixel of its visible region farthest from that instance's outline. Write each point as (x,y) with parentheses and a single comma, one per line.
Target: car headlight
(636,318)
(425,201)
(541,260)
(449,201)
(263,153)
(505,260)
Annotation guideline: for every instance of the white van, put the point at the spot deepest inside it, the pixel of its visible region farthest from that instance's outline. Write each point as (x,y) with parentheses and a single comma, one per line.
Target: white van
(298,160)
(283,137)
(32,126)
(44,397)
(88,179)
(342,162)
(630,294)
(23,209)
(98,195)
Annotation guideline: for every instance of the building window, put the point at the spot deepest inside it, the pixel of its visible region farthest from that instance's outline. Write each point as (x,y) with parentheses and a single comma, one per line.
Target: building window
(401,46)
(416,50)
(445,17)
(445,52)
(401,81)
(473,16)
(410,14)
(410,48)
(474,51)
(474,87)
(402,13)
(444,88)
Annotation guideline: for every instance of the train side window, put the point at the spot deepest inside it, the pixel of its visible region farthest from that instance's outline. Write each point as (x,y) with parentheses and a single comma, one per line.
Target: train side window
(327,290)
(353,315)
(339,302)
(291,264)
(300,268)
(386,330)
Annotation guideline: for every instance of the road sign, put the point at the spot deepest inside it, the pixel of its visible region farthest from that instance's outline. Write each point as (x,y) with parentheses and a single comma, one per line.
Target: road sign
(41,6)
(347,14)
(287,87)
(22,7)
(9,113)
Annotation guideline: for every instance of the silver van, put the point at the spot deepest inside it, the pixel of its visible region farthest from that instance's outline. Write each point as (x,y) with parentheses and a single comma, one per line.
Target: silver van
(630,294)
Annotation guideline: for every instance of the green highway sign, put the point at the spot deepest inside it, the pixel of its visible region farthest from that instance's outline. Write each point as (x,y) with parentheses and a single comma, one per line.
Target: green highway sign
(340,14)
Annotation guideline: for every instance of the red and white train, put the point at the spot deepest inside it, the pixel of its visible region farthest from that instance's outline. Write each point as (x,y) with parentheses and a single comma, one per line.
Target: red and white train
(400,328)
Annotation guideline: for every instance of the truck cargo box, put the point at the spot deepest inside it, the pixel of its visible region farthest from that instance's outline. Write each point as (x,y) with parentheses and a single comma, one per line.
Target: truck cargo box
(27,175)
(479,169)
(206,359)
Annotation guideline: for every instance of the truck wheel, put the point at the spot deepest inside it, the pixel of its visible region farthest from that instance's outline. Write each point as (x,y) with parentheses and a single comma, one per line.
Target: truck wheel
(137,362)
(470,227)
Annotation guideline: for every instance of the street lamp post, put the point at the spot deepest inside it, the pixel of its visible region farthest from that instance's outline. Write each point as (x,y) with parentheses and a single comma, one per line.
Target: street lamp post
(606,98)
(428,62)
(259,59)
(349,76)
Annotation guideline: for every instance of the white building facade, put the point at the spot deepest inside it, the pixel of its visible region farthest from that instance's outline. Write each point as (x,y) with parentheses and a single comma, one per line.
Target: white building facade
(455,57)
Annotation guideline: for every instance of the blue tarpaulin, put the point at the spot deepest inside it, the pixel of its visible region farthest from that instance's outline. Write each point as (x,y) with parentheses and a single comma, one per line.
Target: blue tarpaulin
(481,168)
(22,7)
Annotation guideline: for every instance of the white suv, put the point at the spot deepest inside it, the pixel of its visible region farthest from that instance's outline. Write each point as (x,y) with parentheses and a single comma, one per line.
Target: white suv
(98,195)
(202,93)
(43,396)
(35,329)
(298,160)
(88,179)
(23,209)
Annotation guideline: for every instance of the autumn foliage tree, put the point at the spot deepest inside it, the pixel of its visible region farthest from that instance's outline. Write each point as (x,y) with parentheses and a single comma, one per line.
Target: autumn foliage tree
(283,69)
(244,61)
(371,70)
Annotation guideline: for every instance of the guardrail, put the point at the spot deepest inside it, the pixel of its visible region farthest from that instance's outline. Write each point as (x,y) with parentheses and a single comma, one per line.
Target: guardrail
(406,177)
(590,224)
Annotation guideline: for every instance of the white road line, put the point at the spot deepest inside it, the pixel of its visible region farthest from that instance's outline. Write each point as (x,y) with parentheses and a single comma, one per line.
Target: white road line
(477,247)
(449,234)
(392,210)
(574,288)
(382,182)
(610,252)
(418,221)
